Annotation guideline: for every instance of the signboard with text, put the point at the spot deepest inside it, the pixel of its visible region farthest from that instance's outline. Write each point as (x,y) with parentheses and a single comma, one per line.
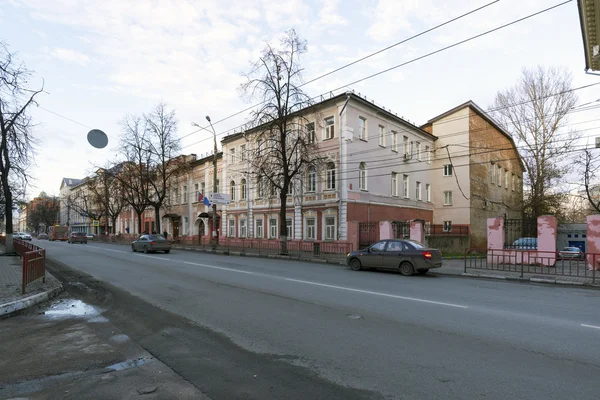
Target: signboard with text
(219,198)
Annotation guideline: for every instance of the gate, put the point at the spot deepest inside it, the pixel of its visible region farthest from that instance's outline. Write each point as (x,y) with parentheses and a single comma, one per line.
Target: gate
(367,233)
(519,228)
(401,229)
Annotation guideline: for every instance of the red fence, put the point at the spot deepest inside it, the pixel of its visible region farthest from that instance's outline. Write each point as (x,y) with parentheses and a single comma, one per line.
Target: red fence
(34,262)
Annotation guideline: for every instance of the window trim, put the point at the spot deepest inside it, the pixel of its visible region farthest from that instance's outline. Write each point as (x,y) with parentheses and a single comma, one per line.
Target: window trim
(232,190)
(276,226)
(329,129)
(262,228)
(395,141)
(381,135)
(333,226)
(306,226)
(243,190)
(447,226)
(405,186)
(231,228)
(394,184)
(448,170)
(428,193)
(418,191)
(243,223)
(362,130)
(362,176)
(445,197)
(330,176)
(311,172)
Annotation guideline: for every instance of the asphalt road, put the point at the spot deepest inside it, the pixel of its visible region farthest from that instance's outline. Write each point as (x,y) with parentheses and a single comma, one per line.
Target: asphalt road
(380,334)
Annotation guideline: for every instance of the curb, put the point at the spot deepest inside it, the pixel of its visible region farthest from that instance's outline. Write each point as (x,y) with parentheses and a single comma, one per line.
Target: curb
(18,305)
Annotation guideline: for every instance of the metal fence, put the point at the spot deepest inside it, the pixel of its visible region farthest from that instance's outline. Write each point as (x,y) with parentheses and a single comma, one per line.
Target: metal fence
(34,262)
(533,262)
(518,228)
(367,233)
(401,229)
(441,230)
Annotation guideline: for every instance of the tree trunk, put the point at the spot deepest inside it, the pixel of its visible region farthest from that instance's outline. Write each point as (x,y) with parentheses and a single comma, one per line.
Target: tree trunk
(8,244)
(282,221)
(139,218)
(156,219)
(114,224)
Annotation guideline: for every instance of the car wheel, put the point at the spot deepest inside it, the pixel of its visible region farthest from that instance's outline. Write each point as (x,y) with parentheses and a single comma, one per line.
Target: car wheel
(133,248)
(146,250)
(355,264)
(406,269)
(422,271)
(167,251)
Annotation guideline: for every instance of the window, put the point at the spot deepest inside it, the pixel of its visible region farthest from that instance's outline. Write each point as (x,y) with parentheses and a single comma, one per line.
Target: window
(185,195)
(362,176)
(259,228)
(311,181)
(418,191)
(394,141)
(514,182)
(418,150)
(427,155)
(447,226)
(405,186)
(260,186)
(175,195)
(231,230)
(379,246)
(406,145)
(329,128)
(492,172)
(311,229)
(448,198)
(195,192)
(243,152)
(259,147)
(243,190)
(243,228)
(499,176)
(273,189)
(330,176)
(272,228)
(310,132)
(382,135)
(202,187)
(290,188)
(232,156)
(394,184)
(448,170)
(362,128)
(232,190)
(329,228)
(428,192)
(289,228)
(185,225)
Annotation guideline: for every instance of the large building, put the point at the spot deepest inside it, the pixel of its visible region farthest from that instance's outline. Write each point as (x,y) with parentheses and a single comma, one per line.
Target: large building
(589,15)
(477,171)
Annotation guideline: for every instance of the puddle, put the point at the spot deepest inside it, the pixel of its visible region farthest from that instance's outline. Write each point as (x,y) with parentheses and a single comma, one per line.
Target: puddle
(73,308)
(128,364)
(119,338)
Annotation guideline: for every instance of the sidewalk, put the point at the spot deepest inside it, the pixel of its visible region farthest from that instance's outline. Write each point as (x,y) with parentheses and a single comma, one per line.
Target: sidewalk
(450,267)
(11,299)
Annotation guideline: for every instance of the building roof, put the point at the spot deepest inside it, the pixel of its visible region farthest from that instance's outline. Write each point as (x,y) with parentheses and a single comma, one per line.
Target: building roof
(479,111)
(334,99)
(589,18)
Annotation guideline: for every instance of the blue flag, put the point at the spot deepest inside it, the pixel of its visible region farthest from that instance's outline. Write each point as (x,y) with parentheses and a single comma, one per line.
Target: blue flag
(206,201)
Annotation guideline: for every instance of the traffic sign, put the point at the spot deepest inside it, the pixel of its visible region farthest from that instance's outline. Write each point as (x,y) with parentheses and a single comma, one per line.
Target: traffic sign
(219,198)
(95,223)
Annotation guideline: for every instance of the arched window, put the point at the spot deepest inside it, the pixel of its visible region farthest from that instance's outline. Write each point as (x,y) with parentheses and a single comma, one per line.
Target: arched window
(243,190)
(260,187)
(311,180)
(232,190)
(362,176)
(330,175)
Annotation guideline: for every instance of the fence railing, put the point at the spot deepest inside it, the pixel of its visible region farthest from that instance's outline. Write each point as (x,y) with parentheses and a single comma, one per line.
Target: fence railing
(34,262)
(441,230)
(535,262)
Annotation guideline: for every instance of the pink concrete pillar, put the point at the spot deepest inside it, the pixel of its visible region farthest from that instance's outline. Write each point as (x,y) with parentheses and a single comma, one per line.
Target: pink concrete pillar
(547,230)
(593,242)
(417,231)
(385,230)
(352,234)
(495,239)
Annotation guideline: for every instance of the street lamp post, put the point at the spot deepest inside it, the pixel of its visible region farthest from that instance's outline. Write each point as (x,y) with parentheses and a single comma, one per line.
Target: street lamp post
(215,236)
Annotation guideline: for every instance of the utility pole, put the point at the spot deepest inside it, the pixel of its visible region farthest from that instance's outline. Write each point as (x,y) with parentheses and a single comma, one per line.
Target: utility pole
(215,237)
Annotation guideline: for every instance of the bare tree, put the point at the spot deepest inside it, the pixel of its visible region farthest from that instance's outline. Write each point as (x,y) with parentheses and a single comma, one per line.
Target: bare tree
(107,191)
(588,167)
(284,137)
(163,148)
(535,112)
(16,143)
(43,211)
(83,203)
(134,176)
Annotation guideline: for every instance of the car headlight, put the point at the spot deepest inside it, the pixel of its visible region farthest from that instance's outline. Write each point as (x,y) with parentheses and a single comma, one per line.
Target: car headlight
(348,255)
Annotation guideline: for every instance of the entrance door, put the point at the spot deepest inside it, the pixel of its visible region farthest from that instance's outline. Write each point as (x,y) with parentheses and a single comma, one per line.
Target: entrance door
(176,223)
(201,231)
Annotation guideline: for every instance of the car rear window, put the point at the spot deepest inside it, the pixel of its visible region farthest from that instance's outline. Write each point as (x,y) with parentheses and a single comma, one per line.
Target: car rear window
(79,234)
(157,238)
(416,245)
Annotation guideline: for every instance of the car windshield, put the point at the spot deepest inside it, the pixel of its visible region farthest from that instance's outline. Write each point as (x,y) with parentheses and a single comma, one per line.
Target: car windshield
(575,249)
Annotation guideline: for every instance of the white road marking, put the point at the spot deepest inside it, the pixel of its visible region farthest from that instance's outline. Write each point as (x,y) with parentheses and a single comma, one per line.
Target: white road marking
(221,268)
(105,249)
(154,257)
(590,326)
(376,293)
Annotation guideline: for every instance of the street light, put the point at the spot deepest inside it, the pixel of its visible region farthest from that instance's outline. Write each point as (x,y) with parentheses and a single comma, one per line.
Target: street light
(215,237)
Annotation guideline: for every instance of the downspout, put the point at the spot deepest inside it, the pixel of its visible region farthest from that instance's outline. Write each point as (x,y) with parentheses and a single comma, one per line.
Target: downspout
(340,183)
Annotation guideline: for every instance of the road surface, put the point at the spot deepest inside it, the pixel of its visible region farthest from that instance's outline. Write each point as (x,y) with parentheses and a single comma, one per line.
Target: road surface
(353,334)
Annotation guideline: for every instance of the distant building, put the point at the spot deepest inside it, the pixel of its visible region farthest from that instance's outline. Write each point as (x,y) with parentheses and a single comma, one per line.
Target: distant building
(589,16)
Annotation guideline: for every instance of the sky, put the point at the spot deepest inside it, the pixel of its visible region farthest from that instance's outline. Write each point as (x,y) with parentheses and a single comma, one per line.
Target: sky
(103,60)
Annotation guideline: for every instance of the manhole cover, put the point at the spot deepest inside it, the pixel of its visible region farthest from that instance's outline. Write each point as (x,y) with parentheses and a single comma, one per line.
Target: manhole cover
(354,316)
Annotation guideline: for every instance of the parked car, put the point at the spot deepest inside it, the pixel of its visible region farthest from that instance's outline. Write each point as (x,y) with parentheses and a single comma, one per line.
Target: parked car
(151,244)
(90,236)
(571,253)
(43,236)
(406,256)
(22,236)
(525,243)
(77,237)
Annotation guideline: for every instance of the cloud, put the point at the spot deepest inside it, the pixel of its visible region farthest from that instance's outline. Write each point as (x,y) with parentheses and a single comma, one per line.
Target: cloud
(71,56)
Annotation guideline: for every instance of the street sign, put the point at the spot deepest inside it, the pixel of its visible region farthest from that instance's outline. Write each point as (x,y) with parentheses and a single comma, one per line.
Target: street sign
(219,198)
(95,223)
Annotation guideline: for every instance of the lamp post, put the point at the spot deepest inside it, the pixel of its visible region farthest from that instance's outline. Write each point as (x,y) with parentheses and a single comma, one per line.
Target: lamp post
(215,236)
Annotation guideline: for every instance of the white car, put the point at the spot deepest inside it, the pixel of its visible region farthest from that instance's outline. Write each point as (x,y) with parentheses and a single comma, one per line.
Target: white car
(22,236)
